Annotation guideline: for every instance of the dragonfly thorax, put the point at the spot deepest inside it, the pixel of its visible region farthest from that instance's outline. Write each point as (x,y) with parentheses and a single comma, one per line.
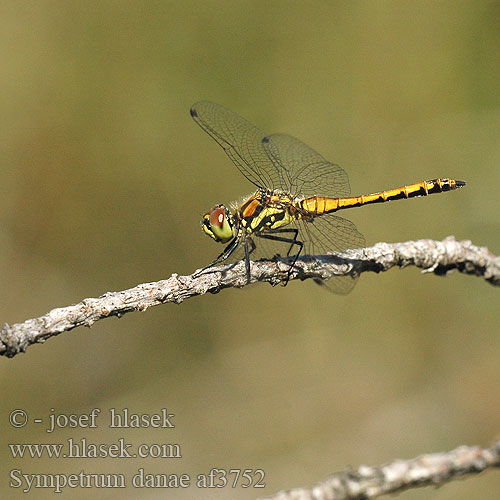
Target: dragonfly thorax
(219,224)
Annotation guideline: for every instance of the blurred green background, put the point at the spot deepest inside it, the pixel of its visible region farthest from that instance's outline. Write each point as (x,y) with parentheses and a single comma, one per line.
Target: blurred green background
(104,177)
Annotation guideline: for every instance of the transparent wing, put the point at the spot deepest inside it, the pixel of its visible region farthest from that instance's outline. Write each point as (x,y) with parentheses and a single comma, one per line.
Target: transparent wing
(303,171)
(241,141)
(277,161)
(326,234)
(329,233)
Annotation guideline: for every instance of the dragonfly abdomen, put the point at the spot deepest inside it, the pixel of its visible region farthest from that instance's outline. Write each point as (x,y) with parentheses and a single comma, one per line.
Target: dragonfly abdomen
(324,205)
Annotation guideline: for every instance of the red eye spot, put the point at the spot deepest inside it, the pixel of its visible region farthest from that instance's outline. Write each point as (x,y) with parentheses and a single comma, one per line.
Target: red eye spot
(217,217)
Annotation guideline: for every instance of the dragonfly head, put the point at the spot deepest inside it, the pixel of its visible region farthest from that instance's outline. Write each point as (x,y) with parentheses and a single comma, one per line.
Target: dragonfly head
(218,223)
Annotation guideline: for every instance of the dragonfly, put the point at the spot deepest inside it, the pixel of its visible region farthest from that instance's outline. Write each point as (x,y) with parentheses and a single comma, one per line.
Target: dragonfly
(297,195)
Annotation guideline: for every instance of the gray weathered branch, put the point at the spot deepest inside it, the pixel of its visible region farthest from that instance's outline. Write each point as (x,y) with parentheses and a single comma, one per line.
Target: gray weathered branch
(438,257)
(367,482)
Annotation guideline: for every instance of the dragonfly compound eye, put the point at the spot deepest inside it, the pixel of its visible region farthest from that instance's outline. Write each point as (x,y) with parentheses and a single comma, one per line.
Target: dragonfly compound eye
(217,224)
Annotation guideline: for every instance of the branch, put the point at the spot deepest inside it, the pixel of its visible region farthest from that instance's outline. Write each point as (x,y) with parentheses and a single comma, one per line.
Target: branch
(427,470)
(432,256)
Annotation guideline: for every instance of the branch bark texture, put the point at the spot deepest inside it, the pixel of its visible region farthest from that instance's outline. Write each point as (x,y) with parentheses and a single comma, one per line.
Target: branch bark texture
(438,257)
(367,482)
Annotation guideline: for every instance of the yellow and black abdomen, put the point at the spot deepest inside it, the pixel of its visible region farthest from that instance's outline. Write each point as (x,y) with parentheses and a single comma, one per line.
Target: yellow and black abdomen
(322,205)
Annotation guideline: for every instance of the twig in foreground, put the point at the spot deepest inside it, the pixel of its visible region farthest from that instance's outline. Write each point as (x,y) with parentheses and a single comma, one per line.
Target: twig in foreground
(438,257)
(427,470)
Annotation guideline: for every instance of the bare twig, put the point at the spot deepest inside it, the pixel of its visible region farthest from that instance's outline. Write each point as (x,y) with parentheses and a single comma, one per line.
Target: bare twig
(438,257)
(371,482)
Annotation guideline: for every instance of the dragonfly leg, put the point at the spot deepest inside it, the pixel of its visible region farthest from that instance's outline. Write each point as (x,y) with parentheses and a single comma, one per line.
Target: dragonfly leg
(293,241)
(247,258)
(228,250)
(248,252)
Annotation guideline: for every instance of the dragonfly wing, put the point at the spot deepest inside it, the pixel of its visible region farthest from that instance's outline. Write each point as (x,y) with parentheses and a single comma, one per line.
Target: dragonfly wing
(302,171)
(330,233)
(241,141)
(277,161)
(326,234)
